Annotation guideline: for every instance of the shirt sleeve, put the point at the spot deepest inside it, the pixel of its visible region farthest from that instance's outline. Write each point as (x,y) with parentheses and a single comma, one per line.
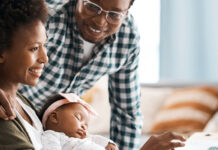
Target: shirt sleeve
(13,136)
(124,98)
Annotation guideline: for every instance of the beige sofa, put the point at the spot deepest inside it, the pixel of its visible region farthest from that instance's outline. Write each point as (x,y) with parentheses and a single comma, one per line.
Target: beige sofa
(153,98)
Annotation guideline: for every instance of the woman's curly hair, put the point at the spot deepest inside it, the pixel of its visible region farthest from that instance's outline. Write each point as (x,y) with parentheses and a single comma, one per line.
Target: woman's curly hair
(17,13)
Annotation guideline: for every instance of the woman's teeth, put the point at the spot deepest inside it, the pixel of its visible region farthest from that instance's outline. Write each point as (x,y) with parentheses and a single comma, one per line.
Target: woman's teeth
(36,70)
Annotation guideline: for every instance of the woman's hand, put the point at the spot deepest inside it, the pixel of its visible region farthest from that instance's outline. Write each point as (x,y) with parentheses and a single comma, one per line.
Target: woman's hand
(6,106)
(164,142)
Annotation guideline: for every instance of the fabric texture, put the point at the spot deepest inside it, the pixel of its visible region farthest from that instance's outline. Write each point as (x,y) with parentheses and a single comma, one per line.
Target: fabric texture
(186,110)
(59,141)
(13,133)
(116,56)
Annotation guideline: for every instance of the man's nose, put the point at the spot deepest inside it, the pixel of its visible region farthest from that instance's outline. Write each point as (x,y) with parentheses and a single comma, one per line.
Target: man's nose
(100,20)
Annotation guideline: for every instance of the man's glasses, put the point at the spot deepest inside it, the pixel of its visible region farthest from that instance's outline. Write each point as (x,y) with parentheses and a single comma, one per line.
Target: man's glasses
(93,9)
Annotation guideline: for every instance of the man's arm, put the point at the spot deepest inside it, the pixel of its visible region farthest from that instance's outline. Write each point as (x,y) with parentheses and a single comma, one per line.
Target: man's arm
(124,94)
(164,141)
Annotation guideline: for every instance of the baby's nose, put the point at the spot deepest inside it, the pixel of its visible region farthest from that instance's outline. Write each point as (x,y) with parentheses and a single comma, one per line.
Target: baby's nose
(84,127)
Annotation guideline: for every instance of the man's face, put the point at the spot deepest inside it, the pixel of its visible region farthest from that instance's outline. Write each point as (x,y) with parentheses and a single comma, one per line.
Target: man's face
(95,27)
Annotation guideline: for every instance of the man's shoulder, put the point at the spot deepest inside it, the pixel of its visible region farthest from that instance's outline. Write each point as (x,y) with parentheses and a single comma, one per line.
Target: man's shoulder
(60,13)
(129,28)
(129,22)
(58,7)
(128,32)
(54,4)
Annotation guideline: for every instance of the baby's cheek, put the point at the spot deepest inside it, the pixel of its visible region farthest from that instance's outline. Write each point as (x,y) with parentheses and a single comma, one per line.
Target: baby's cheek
(71,134)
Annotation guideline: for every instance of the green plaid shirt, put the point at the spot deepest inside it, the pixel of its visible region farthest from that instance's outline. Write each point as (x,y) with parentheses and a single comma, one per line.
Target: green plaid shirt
(117,56)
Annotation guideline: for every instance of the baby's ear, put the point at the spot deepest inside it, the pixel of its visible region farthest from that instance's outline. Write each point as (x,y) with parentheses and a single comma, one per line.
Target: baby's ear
(53,117)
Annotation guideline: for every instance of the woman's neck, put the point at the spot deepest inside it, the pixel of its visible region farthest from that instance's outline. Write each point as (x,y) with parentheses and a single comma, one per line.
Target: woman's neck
(9,88)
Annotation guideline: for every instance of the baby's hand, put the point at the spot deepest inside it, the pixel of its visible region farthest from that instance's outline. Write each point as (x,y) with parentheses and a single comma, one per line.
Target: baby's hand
(111,146)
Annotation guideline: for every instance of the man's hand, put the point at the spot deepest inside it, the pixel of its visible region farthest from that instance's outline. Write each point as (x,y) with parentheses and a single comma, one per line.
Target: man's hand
(164,142)
(111,146)
(6,106)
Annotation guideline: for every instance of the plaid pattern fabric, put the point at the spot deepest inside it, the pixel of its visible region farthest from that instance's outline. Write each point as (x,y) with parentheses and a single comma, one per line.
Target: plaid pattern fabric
(116,56)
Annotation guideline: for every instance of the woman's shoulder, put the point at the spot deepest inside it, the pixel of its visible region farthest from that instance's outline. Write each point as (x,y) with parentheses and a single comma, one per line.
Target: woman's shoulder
(13,135)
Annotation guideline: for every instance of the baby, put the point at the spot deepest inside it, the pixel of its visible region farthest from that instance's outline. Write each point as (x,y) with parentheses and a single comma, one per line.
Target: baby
(65,120)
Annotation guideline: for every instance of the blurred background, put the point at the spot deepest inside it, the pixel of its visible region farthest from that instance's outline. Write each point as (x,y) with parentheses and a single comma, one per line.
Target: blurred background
(179,40)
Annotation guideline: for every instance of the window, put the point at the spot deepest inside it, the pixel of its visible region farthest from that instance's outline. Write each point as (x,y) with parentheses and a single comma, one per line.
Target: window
(147,17)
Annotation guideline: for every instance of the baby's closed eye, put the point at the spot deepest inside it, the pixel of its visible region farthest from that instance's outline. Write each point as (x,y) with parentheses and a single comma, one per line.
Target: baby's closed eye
(78,117)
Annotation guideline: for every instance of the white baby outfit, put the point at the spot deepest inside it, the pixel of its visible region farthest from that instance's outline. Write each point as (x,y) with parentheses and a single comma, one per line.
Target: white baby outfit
(52,140)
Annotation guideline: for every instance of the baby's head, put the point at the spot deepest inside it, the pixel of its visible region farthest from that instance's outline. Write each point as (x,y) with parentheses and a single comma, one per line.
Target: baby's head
(67,113)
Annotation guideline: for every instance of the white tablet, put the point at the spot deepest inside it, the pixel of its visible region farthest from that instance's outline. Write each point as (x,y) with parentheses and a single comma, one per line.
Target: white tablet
(201,141)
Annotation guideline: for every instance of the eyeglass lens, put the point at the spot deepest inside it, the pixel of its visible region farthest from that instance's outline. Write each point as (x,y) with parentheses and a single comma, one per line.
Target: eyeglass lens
(94,9)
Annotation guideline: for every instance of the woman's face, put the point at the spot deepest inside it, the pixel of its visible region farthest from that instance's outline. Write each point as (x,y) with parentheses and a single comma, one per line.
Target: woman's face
(23,62)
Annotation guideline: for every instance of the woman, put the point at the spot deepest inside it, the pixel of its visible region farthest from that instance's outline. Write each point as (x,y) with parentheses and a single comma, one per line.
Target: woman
(22,57)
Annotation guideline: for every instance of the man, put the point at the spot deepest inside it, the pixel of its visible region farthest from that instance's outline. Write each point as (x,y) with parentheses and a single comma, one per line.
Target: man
(88,39)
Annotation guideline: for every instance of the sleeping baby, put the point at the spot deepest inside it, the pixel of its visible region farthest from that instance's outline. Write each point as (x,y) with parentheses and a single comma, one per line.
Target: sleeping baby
(65,119)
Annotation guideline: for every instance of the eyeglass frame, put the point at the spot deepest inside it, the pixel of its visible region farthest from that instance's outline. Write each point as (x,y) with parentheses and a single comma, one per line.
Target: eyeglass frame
(106,12)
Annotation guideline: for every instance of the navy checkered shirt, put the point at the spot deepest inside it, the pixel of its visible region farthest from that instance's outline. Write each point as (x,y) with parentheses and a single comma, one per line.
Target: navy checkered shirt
(116,56)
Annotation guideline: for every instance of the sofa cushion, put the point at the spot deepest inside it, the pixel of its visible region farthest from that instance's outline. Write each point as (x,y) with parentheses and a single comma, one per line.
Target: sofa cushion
(186,110)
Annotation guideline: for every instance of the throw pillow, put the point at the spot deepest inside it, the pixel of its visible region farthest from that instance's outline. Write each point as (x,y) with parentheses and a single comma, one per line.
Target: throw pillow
(186,110)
